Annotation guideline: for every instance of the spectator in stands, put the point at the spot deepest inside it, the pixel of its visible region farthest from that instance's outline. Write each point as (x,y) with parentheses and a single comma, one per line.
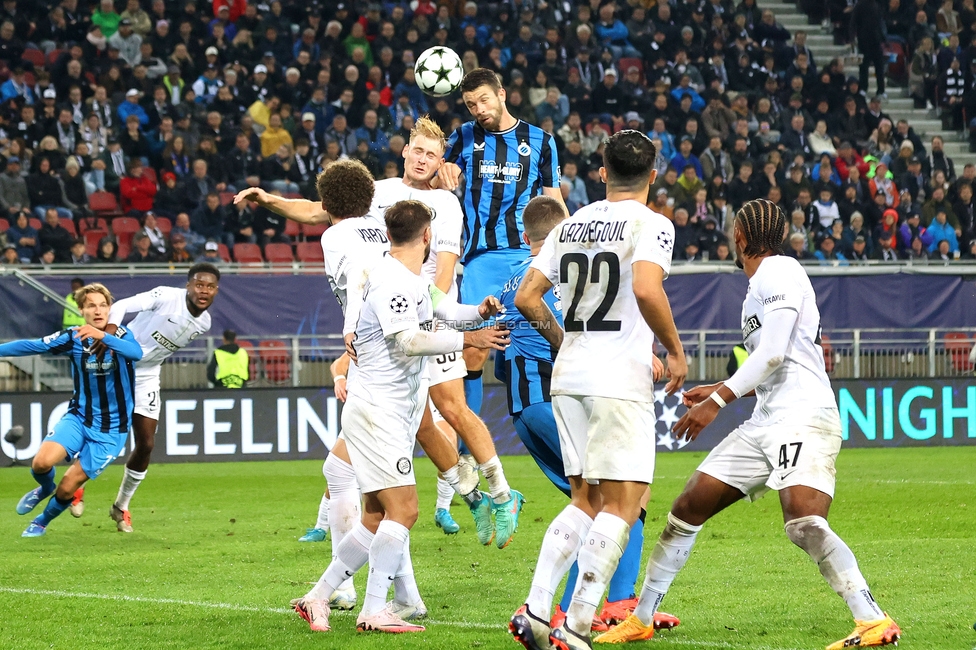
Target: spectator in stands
(888,225)
(131,106)
(797,247)
(137,190)
(939,161)
(55,236)
(13,188)
(78,253)
(109,170)
(211,254)
(869,29)
(964,210)
(150,227)
(10,256)
(208,219)
(199,184)
(856,229)
(142,251)
(170,198)
(274,136)
(970,256)
(941,230)
(913,180)
(917,251)
(938,202)
(577,188)
(820,140)
(794,141)
(826,208)
(280,173)
(715,161)
(882,183)
(912,228)
(45,191)
(743,187)
(826,251)
(178,253)
(688,184)
(181,226)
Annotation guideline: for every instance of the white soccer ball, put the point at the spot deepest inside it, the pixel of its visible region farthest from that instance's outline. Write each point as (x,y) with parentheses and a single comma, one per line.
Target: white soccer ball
(439,71)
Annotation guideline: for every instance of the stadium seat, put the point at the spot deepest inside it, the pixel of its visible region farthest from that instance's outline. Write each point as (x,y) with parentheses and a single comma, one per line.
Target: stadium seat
(104,204)
(224,252)
(34,56)
(91,223)
(248,254)
(957,346)
(92,237)
(276,361)
(53,55)
(124,228)
(314,231)
(292,229)
(310,252)
(252,366)
(4,225)
(69,225)
(35,223)
(226,198)
(164,224)
(278,253)
(124,249)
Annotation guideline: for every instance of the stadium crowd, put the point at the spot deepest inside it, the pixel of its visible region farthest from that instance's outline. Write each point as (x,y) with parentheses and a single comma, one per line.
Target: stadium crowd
(125,127)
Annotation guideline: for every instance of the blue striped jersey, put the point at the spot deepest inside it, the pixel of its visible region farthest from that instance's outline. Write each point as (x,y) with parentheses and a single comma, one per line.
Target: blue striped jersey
(502,172)
(529,357)
(103,389)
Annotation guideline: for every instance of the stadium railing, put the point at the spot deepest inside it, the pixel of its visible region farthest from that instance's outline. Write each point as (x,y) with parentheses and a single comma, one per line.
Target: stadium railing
(303,361)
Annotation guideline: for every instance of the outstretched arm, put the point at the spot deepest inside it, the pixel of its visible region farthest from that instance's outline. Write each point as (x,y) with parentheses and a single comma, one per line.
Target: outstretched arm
(57,343)
(299,210)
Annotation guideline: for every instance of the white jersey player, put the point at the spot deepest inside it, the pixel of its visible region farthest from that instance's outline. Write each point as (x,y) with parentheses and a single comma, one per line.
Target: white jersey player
(609,260)
(167,319)
(393,333)
(789,444)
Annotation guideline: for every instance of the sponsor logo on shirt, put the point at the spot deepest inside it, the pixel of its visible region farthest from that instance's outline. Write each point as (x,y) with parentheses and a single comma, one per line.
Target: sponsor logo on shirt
(99,367)
(751,325)
(770,300)
(508,173)
(165,342)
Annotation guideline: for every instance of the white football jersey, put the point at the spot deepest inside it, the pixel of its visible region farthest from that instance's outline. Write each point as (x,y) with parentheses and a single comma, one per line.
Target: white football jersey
(162,326)
(354,241)
(395,300)
(608,347)
(445,227)
(801,381)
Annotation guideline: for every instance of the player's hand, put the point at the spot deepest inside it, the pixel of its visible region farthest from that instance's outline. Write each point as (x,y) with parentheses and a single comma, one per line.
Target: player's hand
(487,338)
(698,394)
(697,418)
(657,369)
(677,371)
(87,331)
(449,176)
(340,389)
(99,349)
(253,194)
(350,349)
(489,307)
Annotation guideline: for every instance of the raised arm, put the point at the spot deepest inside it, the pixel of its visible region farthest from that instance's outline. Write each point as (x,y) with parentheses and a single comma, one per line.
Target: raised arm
(299,210)
(145,301)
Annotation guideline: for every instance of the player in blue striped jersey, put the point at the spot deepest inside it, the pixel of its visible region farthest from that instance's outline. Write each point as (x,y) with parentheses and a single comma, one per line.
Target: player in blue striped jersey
(96,426)
(526,372)
(505,162)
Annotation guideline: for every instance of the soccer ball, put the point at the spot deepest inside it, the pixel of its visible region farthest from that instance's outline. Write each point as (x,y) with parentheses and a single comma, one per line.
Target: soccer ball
(439,71)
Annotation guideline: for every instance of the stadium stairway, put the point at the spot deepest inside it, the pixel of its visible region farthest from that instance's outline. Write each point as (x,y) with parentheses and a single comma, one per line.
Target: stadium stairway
(899,105)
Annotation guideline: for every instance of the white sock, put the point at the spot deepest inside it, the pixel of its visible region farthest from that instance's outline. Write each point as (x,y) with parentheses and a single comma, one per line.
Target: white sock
(130,483)
(323,520)
(344,503)
(597,559)
(444,494)
(559,549)
(495,475)
(349,557)
(466,488)
(837,564)
(405,589)
(385,557)
(670,554)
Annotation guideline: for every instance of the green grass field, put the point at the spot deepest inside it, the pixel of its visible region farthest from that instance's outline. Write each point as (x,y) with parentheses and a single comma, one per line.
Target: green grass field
(214,561)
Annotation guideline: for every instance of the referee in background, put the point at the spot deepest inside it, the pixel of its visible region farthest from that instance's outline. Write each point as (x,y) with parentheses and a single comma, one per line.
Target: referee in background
(229,366)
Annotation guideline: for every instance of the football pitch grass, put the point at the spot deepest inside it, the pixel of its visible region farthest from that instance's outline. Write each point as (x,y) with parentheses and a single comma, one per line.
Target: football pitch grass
(215,559)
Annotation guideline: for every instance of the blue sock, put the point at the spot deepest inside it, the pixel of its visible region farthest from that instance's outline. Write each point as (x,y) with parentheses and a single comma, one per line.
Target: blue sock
(46,481)
(54,508)
(474,393)
(570,587)
(624,578)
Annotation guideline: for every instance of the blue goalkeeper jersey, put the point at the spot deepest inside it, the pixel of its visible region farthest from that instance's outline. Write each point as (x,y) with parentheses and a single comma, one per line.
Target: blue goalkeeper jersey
(502,172)
(103,389)
(529,357)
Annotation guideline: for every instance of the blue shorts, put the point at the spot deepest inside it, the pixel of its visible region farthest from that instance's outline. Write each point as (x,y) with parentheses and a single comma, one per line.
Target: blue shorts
(536,427)
(486,274)
(94,449)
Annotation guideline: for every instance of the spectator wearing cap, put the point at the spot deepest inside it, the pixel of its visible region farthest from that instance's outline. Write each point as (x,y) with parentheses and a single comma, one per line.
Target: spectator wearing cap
(210,254)
(137,190)
(855,229)
(16,86)
(13,188)
(859,251)
(941,230)
(137,17)
(827,208)
(827,251)
(24,237)
(170,198)
(134,143)
(131,106)
(127,42)
(207,84)
(10,257)
(178,253)
(912,227)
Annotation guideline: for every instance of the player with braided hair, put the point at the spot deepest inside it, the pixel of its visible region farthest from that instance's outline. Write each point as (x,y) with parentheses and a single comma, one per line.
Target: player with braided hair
(790,443)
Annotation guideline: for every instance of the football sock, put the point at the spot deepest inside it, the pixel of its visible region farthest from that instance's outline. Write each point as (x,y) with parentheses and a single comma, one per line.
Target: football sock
(837,564)
(404,584)
(385,558)
(344,503)
(323,519)
(46,481)
(558,553)
(624,578)
(571,579)
(474,391)
(130,483)
(54,508)
(348,557)
(497,484)
(598,559)
(444,494)
(670,554)
(467,490)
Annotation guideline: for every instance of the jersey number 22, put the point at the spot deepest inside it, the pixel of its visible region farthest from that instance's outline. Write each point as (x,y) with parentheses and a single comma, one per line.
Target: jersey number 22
(587,271)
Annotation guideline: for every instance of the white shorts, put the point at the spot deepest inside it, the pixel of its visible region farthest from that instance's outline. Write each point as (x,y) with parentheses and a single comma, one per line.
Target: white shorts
(380,443)
(446,367)
(798,450)
(147,400)
(606,438)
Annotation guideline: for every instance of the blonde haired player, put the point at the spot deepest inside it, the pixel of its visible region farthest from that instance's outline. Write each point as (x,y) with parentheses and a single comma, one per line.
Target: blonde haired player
(789,444)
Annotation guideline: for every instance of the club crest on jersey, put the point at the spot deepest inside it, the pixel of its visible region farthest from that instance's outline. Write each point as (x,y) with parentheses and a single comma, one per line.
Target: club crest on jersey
(403,465)
(752,324)
(524,149)
(165,342)
(399,304)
